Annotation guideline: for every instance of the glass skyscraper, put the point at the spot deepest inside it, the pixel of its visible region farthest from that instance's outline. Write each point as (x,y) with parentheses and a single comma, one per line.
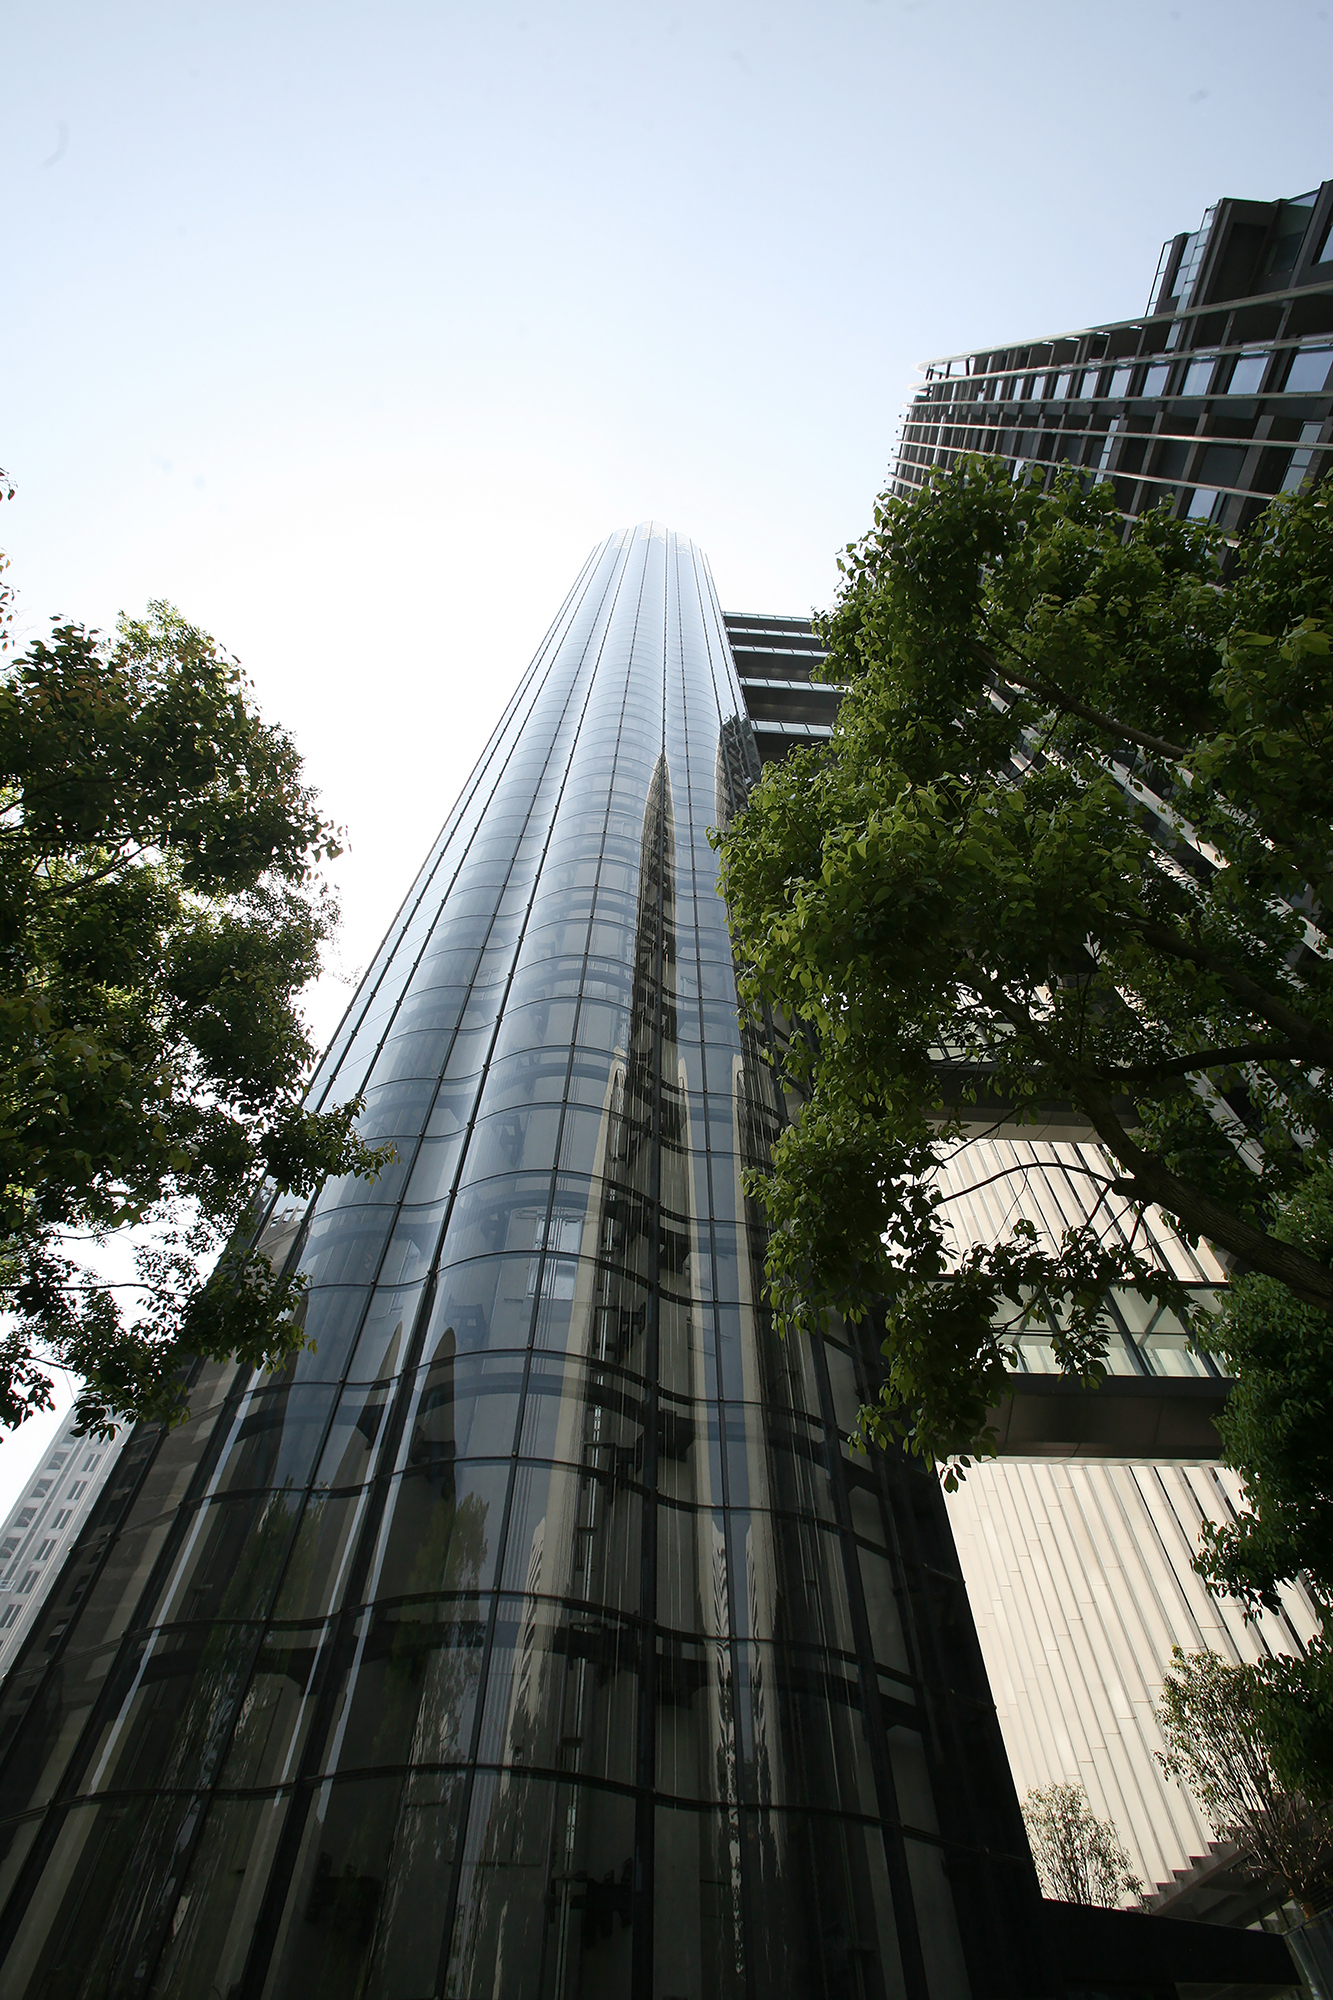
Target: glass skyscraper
(536,1635)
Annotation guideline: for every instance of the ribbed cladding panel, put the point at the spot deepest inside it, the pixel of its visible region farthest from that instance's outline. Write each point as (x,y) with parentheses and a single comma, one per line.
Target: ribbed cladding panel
(531,1636)
(1081,1582)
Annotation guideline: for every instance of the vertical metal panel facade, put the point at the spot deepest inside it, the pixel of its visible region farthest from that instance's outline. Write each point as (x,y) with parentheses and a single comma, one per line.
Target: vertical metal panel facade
(535,1634)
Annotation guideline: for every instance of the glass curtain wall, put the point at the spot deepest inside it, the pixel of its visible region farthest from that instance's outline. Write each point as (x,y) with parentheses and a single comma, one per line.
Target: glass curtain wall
(535,1636)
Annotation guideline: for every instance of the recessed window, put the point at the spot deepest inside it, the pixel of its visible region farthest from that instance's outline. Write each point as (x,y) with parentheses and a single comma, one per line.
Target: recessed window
(1298,469)
(1120,381)
(1198,376)
(1309,371)
(1247,374)
(1325,255)
(1154,382)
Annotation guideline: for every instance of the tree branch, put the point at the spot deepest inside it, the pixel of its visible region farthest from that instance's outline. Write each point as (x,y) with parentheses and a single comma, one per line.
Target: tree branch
(1315,1043)
(97,875)
(1152,1180)
(1205,1059)
(1175,753)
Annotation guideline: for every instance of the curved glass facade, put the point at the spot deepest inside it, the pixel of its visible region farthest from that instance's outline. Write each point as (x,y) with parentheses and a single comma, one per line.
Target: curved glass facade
(535,1636)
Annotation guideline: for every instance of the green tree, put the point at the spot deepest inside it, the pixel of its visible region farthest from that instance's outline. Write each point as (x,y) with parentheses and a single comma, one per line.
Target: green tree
(1080,1858)
(1218,1747)
(1072,832)
(160,911)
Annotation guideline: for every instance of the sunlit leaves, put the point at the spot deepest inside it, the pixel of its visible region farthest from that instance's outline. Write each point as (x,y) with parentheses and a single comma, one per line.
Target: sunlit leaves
(160,910)
(1072,829)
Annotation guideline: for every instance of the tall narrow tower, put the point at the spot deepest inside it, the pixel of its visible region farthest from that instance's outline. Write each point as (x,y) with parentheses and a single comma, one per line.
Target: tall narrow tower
(536,1635)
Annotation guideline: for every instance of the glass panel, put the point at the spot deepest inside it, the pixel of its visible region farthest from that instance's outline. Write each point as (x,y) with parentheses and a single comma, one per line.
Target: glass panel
(395,1108)
(546,1905)
(512,1142)
(1247,374)
(105,1894)
(1308,373)
(562,1691)
(175,1700)
(699,1928)
(506,1213)
(466,1407)
(821,1919)
(232,1558)
(332,1316)
(418,1670)
(214,1919)
(349,1451)
(937,1922)
(277,1439)
(802,1737)
(442,1531)
(276,1712)
(344,1247)
(433,1170)
(911,1778)
(887,1637)
(585,1139)
(486,1302)
(574,1535)
(364,1913)
(382,1346)
(578,1412)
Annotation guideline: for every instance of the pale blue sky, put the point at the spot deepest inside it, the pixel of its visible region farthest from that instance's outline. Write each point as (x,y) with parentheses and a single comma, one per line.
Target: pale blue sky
(350,328)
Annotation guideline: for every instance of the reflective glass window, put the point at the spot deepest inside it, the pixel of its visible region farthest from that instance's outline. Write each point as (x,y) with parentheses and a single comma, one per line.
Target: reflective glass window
(417,1677)
(562,1691)
(574,1534)
(442,1530)
(382,1345)
(545,1861)
(364,1911)
(1247,374)
(1308,373)
(230,1559)
(276,1439)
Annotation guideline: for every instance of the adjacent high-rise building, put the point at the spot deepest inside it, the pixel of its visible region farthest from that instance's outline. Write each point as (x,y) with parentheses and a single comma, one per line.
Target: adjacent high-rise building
(536,1634)
(1215,400)
(43,1525)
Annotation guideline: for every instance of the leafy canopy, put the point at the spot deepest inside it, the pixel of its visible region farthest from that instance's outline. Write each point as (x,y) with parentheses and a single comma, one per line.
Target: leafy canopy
(1070,844)
(1080,1858)
(160,911)
(1217,1735)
